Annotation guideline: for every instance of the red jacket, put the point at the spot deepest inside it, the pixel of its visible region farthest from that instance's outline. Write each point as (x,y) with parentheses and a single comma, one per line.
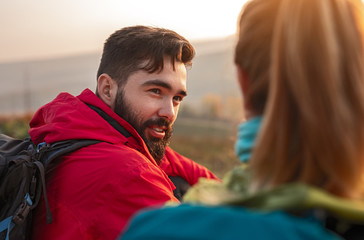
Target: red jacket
(94,190)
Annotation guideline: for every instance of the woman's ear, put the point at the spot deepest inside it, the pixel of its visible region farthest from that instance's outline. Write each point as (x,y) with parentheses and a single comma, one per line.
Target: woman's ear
(107,89)
(244,88)
(243,80)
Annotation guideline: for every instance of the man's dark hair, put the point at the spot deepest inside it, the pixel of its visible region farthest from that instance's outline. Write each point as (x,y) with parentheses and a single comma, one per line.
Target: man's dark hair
(142,48)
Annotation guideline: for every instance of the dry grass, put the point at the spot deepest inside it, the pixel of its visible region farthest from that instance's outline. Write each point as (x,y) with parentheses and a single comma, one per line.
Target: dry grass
(210,143)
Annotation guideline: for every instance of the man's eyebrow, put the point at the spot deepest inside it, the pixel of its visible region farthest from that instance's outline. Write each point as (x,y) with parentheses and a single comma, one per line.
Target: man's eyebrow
(162,84)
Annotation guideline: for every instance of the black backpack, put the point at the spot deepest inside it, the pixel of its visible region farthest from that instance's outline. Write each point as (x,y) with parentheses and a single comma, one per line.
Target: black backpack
(22,181)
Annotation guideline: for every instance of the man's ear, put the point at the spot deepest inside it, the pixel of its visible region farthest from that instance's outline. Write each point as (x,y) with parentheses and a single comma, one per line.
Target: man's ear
(107,89)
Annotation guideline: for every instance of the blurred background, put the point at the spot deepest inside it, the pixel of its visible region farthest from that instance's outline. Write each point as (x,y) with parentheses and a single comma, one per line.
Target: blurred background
(48,46)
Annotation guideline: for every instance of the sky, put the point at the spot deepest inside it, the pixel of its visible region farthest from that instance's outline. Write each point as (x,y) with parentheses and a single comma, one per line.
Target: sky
(38,29)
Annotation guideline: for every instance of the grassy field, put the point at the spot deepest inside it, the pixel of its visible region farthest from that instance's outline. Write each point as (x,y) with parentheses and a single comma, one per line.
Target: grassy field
(208,142)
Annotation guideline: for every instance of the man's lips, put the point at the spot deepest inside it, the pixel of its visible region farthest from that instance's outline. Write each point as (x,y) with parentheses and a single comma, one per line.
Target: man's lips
(156,131)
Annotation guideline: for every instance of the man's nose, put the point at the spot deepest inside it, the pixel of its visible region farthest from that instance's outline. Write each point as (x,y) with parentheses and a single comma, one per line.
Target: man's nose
(167,110)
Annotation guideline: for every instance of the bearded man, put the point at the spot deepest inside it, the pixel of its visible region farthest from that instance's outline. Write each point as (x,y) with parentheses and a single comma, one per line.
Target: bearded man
(141,83)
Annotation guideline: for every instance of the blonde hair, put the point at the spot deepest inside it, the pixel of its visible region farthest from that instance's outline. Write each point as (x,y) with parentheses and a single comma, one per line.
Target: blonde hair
(307,58)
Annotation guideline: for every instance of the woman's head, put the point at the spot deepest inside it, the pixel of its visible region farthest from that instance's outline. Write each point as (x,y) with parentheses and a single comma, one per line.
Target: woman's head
(304,64)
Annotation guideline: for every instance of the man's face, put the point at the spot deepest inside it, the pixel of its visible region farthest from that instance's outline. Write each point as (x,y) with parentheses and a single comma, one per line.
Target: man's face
(150,103)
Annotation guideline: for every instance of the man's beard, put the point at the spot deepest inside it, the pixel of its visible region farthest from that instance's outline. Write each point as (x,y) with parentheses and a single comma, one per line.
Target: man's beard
(156,146)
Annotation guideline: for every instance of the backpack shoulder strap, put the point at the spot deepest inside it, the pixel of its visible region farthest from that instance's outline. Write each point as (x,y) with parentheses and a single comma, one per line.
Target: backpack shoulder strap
(49,152)
(111,121)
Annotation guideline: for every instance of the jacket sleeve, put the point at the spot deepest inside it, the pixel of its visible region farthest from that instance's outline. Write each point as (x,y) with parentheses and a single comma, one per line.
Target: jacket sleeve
(174,164)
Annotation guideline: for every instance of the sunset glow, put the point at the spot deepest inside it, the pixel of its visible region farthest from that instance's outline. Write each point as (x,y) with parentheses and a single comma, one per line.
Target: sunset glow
(42,28)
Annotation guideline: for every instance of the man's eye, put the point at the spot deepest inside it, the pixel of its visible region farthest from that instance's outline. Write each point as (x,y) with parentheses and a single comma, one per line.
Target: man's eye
(177,99)
(155,90)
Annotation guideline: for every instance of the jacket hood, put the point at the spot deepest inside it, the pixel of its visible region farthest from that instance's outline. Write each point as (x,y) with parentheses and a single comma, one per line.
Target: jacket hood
(68,117)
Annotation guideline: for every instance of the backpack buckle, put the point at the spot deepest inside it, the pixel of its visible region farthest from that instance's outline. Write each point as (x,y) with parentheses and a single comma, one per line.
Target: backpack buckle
(23,210)
(41,149)
(41,145)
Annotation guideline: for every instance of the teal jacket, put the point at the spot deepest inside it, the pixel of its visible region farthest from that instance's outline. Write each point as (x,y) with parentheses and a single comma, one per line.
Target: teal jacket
(221,223)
